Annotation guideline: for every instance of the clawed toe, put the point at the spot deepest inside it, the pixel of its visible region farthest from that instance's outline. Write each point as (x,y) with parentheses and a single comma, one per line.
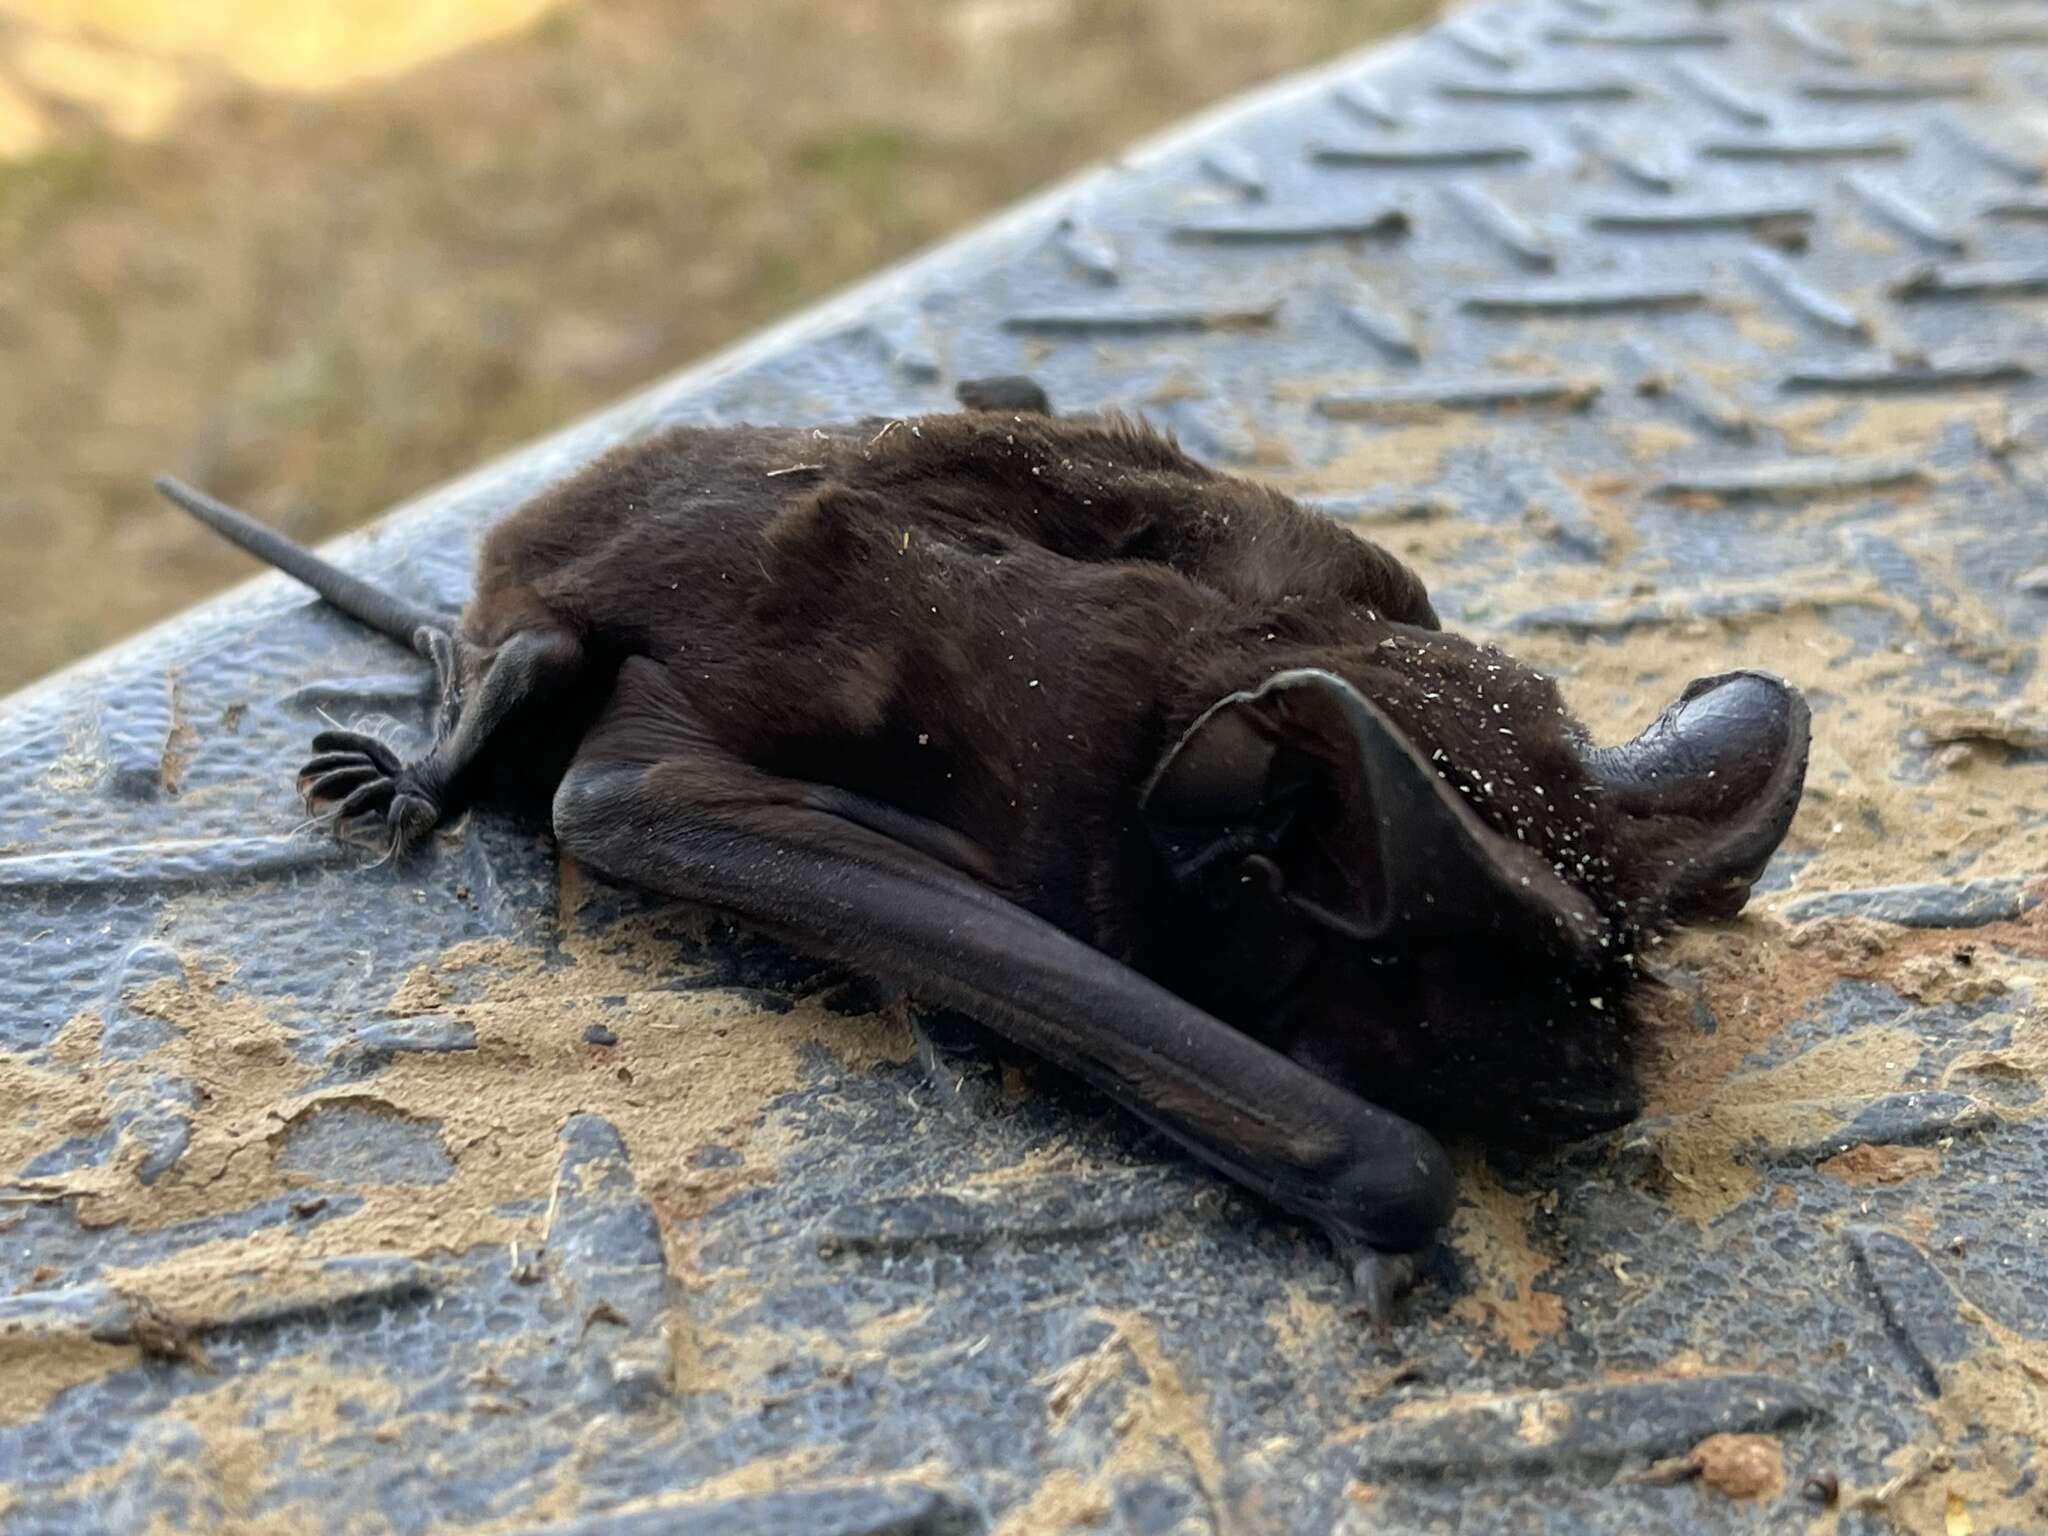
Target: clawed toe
(326,761)
(329,743)
(369,832)
(336,782)
(376,796)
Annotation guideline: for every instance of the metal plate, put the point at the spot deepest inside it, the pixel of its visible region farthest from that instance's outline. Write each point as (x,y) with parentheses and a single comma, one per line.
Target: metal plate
(466,1197)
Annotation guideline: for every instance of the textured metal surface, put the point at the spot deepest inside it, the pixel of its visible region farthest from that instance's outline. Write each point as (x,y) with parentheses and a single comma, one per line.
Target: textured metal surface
(460,1197)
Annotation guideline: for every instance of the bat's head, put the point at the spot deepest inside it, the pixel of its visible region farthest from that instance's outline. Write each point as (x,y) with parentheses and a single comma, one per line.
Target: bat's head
(1413,871)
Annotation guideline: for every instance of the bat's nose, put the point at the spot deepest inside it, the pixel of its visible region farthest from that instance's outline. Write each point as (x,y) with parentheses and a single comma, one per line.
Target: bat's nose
(1712,787)
(1713,749)
(1733,726)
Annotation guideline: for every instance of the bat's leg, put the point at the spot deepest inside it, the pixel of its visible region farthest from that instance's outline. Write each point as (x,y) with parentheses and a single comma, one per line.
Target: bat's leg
(652,801)
(439,647)
(376,797)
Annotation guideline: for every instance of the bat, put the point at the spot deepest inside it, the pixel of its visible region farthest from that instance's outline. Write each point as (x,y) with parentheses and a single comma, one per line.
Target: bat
(1165,777)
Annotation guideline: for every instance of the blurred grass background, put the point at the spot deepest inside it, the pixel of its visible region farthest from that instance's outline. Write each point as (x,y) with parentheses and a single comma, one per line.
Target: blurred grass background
(320,254)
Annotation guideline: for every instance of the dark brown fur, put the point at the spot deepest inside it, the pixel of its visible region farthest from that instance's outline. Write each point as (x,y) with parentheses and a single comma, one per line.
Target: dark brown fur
(1001,623)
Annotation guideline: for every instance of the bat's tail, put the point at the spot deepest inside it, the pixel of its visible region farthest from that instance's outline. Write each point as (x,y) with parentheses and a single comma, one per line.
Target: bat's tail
(383,611)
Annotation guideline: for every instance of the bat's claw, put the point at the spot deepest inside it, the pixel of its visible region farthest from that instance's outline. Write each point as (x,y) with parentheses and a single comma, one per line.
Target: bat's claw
(1379,1280)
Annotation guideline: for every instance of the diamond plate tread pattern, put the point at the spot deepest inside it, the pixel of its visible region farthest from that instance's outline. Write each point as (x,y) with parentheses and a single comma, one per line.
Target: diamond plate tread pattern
(470,1197)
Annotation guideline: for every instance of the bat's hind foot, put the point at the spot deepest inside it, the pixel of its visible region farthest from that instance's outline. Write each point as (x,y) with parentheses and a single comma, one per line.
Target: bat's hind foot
(371,798)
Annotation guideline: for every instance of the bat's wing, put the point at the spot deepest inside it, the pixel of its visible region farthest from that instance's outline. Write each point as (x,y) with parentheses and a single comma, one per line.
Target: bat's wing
(652,802)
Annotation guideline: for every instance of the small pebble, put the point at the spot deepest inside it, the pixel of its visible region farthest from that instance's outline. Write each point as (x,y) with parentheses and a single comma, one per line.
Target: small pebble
(597,1034)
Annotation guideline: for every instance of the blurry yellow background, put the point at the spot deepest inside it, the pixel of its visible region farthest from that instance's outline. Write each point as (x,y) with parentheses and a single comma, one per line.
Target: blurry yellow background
(318,256)
(123,56)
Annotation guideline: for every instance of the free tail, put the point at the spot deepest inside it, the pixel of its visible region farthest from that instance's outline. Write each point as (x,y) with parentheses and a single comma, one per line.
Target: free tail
(382,611)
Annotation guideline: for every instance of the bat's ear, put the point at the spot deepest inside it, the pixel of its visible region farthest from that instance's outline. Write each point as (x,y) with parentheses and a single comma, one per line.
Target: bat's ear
(1709,790)
(1305,785)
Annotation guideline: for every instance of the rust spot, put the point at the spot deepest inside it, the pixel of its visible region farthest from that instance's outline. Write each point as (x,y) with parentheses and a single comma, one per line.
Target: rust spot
(1865,1164)
(1741,1466)
(180,742)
